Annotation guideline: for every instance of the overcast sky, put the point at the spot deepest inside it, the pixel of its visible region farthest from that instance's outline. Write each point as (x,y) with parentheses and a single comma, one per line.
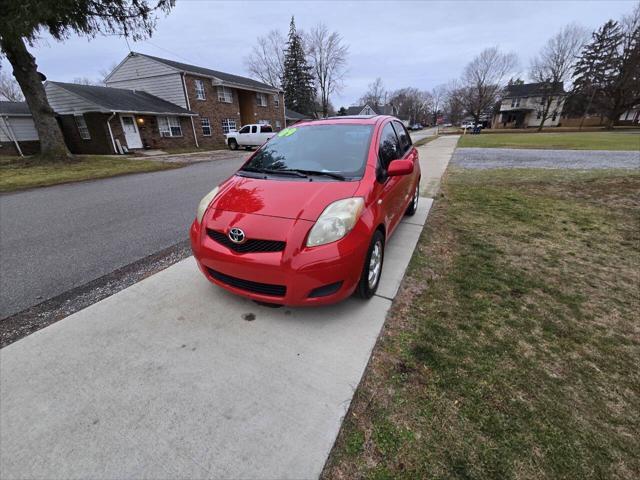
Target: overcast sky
(415,43)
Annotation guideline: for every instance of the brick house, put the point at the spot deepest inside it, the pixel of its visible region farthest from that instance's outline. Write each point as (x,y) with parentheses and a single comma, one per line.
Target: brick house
(102,120)
(221,101)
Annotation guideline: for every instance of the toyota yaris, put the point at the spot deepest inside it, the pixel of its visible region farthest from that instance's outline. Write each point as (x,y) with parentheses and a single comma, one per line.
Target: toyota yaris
(305,220)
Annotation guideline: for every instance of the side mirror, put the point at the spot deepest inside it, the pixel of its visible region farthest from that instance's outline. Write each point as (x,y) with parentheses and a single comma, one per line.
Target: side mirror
(400,167)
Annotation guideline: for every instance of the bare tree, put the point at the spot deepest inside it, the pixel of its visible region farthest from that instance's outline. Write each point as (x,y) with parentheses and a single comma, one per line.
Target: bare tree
(554,65)
(483,78)
(9,88)
(103,73)
(85,81)
(376,93)
(328,57)
(411,103)
(266,60)
(438,95)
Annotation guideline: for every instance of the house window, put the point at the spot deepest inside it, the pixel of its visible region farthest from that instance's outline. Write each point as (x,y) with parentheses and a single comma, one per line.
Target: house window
(276,100)
(261,99)
(206,126)
(228,125)
(278,125)
(169,127)
(225,94)
(83,130)
(539,115)
(200,93)
(263,122)
(555,115)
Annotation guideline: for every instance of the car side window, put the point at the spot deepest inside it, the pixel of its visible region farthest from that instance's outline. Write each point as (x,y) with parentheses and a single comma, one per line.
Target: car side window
(254,128)
(389,148)
(266,129)
(244,129)
(403,136)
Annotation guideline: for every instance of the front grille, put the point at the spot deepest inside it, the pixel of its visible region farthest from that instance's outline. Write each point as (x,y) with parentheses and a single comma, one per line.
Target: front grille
(251,245)
(248,285)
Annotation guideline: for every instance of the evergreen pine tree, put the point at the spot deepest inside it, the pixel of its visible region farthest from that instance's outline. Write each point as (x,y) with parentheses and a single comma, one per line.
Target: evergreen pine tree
(608,69)
(297,77)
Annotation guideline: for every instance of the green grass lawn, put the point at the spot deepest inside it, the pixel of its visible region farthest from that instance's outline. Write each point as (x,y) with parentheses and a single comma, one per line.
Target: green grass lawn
(425,140)
(575,141)
(512,351)
(18,174)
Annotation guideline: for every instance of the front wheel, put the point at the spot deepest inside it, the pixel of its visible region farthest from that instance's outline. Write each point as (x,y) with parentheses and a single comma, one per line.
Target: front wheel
(233,144)
(372,270)
(413,206)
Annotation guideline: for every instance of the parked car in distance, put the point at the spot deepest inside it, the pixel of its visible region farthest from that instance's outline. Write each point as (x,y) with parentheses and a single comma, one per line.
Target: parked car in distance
(249,136)
(306,219)
(464,126)
(416,126)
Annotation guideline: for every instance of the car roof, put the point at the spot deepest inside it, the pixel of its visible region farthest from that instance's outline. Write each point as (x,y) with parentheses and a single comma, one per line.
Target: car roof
(349,119)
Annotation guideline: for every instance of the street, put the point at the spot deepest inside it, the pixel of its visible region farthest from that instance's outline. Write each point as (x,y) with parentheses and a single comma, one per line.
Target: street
(57,238)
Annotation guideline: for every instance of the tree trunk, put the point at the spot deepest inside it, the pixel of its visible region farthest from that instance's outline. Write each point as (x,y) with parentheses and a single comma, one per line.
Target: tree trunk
(545,113)
(25,70)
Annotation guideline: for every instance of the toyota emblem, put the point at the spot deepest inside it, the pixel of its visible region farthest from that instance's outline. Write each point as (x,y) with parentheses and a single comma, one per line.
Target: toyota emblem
(236,235)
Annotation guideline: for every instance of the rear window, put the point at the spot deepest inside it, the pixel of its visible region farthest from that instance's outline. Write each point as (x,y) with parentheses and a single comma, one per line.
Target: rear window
(340,148)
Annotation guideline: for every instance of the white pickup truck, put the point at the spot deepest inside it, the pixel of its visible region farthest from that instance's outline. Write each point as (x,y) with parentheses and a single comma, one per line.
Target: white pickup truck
(249,136)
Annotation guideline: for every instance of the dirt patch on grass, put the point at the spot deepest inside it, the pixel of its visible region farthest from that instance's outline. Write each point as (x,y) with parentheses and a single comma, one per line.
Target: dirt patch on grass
(512,348)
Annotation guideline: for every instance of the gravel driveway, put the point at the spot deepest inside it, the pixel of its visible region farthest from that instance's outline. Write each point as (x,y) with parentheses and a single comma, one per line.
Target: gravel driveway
(485,158)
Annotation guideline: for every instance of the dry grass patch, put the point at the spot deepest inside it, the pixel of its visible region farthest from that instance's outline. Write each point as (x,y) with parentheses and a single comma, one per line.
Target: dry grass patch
(512,350)
(20,173)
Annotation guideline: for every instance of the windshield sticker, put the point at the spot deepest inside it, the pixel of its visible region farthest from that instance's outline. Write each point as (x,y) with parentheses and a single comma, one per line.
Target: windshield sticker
(287,132)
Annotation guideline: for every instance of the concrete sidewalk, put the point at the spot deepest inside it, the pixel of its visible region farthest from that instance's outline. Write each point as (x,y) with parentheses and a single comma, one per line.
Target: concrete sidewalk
(434,158)
(176,378)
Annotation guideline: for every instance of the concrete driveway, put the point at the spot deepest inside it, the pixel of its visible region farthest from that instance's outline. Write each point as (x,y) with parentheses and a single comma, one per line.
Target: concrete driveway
(175,378)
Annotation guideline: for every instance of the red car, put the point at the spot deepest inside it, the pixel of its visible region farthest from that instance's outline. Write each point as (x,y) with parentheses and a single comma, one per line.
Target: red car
(305,220)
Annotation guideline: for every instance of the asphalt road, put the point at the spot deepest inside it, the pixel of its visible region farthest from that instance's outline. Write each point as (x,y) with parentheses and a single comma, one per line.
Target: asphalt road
(58,238)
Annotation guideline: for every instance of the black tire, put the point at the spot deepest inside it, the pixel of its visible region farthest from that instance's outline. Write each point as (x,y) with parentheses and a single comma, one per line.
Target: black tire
(413,206)
(233,144)
(365,289)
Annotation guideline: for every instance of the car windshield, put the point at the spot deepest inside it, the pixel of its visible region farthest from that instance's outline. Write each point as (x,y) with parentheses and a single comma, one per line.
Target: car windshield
(338,149)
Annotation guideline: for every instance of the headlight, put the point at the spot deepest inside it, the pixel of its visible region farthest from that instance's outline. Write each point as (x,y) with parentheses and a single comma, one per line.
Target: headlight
(335,221)
(204,203)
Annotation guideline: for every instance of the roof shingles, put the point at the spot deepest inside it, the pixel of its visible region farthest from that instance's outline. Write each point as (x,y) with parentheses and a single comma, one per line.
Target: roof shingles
(123,100)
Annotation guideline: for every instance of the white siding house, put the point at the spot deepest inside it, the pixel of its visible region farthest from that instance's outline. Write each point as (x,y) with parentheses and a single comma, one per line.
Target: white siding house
(137,72)
(17,130)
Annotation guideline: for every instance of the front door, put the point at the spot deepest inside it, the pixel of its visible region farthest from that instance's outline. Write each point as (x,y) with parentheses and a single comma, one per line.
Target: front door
(131,133)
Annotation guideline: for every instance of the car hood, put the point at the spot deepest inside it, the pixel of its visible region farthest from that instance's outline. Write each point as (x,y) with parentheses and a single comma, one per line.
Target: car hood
(297,199)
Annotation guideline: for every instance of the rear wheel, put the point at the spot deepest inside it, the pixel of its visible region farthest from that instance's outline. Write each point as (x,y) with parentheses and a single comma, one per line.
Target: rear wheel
(372,270)
(233,144)
(413,206)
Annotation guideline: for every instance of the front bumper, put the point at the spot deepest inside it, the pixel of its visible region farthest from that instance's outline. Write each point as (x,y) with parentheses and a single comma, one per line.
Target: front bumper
(296,276)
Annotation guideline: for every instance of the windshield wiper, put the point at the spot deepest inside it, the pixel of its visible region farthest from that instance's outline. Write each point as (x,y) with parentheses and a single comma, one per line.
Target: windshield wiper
(335,175)
(274,171)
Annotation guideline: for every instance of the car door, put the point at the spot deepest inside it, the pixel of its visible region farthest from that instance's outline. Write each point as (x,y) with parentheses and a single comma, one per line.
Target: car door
(390,193)
(244,134)
(407,152)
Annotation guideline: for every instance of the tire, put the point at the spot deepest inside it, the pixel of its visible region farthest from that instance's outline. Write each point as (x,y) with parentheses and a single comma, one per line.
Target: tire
(233,144)
(366,288)
(413,206)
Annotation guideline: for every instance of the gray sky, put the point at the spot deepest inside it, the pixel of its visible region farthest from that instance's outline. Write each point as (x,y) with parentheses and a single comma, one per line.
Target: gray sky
(414,43)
